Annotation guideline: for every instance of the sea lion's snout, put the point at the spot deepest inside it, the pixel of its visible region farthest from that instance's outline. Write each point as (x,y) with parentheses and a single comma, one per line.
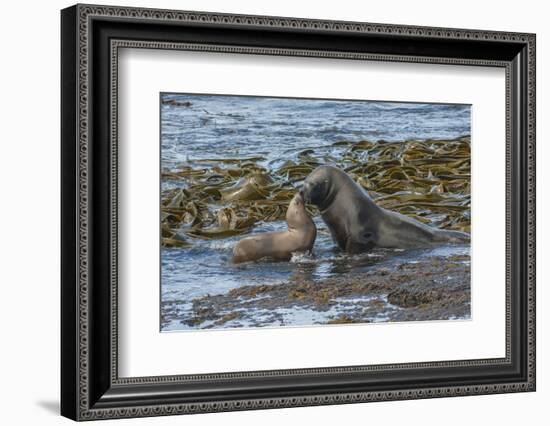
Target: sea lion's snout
(302,193)
(297,201)
(313,192)
(305,192)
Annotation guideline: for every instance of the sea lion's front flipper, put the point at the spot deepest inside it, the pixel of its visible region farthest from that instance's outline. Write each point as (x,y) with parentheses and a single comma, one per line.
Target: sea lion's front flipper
(360,243)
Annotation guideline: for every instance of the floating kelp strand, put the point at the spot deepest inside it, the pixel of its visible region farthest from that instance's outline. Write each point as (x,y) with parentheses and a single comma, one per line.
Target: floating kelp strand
(284,195)
(170,176)
(434,206)
(248,191)
(342,143)
(291,170)
(172,243)
(453,176)
(187,171)
(179,198)
(228,160)
(214,233)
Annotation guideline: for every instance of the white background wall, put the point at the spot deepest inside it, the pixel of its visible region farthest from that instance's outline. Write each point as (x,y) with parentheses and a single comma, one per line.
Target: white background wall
(29,211)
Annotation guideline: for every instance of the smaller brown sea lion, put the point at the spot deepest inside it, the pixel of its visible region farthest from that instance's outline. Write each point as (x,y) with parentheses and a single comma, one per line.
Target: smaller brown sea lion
(280,245)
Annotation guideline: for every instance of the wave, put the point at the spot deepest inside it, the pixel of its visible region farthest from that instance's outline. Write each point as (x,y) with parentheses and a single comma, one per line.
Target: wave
(301,257)
(222,245)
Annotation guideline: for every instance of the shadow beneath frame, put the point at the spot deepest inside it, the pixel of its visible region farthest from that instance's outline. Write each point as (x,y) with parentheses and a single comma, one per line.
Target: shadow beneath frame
(50,406)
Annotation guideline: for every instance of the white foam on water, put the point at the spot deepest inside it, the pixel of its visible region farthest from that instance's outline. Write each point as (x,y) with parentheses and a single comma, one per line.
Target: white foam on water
(303,257)
(222,245)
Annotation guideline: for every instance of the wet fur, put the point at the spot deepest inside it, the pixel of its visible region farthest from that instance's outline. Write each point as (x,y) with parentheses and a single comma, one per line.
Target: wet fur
(280,245)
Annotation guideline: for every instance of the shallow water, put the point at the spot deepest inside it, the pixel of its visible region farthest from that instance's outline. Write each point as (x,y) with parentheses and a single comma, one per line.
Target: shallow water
(295,316)
(206,269)
(220,127)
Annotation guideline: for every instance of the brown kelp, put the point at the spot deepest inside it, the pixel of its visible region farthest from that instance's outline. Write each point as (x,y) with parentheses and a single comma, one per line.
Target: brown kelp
(211,198)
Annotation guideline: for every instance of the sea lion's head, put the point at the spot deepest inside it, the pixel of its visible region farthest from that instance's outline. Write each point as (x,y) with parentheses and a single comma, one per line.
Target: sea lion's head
(317,186)
(296,214)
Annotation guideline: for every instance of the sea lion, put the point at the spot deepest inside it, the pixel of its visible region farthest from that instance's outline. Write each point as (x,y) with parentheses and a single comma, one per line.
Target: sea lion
(357,224)
(280,245)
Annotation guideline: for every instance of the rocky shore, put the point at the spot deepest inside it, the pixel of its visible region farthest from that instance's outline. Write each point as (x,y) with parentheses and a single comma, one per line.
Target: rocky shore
(436,288)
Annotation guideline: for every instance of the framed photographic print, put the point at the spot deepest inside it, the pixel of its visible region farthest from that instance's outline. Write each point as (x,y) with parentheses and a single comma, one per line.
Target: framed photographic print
(263,212)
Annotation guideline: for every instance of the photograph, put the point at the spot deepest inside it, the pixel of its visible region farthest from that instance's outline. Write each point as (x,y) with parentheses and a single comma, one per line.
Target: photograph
(264,209)
(298,212)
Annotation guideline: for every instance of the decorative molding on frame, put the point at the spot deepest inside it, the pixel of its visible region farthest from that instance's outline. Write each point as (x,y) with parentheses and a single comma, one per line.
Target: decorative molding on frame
(300,23)
(303,401)
(116,45)
(85,14)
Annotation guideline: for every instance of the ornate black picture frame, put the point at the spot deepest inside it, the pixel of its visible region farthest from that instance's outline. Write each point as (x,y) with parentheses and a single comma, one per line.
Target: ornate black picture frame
(91,36)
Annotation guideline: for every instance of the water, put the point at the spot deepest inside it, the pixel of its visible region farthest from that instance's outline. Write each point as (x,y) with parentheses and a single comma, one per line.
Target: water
(276,129)
(206,269)
(243,126)
(294,316)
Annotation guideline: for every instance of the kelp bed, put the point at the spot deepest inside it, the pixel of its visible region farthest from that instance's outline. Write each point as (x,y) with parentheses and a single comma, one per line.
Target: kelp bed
(214,198)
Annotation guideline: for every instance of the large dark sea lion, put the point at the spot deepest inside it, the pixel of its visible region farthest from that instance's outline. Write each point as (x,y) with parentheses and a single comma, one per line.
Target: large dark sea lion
(280,245)
(357,224)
